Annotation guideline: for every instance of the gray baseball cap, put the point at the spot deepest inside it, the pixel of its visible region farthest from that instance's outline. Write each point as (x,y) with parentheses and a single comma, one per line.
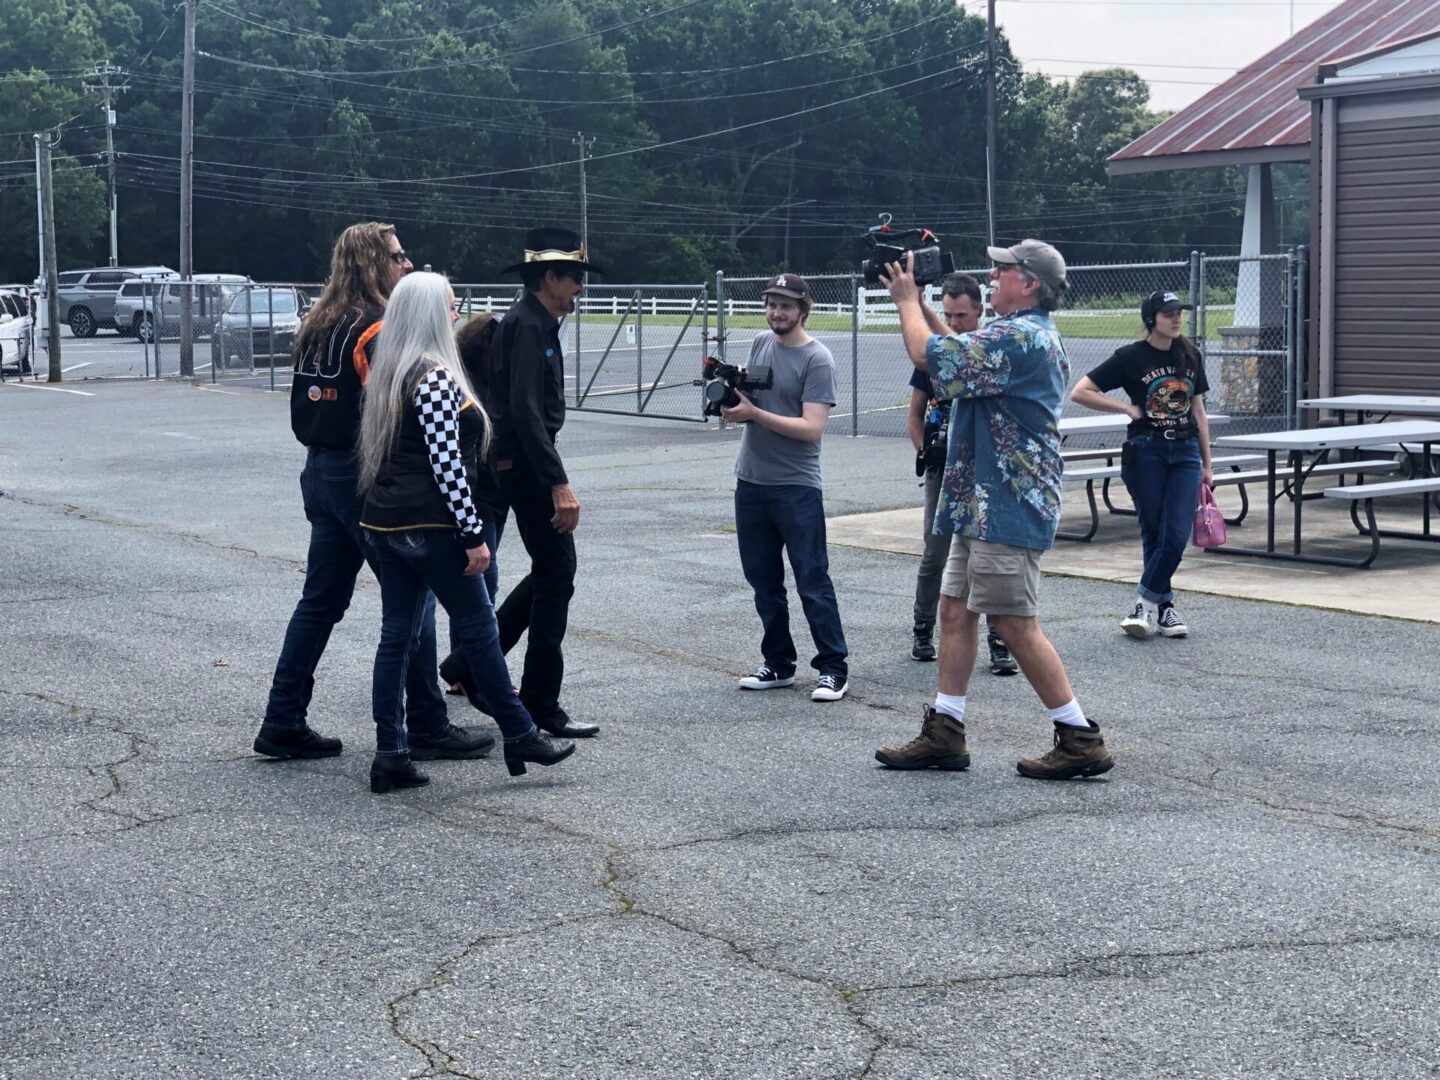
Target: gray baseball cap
(1035,256)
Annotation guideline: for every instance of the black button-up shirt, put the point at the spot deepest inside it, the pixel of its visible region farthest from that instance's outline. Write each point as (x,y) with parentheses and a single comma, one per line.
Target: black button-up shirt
(526,393)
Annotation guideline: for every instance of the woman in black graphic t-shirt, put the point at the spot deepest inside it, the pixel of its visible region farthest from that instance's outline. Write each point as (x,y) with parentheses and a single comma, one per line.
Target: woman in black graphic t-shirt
(1166,453)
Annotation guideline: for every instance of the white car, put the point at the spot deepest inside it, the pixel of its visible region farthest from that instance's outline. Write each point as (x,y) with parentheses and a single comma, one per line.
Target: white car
(15,331)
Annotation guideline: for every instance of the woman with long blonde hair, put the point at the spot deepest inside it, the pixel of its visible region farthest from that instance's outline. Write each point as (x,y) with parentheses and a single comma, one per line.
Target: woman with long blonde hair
(422,436)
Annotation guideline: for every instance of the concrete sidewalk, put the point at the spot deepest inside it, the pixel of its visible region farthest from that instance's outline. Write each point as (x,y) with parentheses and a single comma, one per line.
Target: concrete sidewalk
(1402,583)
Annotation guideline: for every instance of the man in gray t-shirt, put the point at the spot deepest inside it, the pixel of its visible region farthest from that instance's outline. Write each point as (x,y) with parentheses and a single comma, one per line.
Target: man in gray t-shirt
(778,505)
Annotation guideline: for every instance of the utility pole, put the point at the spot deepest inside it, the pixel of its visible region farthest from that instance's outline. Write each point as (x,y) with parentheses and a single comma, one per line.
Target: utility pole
(990,126)
(45,192)
(103,72)
(789,203)
(585,145)
(187,195)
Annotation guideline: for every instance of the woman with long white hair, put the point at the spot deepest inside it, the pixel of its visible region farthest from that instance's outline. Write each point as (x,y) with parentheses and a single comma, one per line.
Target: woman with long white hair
(422,436)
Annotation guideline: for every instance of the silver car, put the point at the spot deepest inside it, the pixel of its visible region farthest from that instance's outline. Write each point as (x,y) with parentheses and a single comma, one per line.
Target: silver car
(87,297)
(143,306)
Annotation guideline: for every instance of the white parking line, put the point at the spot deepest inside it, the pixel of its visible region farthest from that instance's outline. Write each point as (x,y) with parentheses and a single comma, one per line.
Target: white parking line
(182,435)
(231,393)
(77,367)
(56,389)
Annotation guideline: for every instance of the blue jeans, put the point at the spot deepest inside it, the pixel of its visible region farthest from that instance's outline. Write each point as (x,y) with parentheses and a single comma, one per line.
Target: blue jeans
(413,565)
(790,518)
(337,551)
(492,531)
(1163,478)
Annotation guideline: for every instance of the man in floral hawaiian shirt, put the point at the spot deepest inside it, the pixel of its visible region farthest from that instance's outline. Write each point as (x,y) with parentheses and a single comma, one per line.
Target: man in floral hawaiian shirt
(1000,502)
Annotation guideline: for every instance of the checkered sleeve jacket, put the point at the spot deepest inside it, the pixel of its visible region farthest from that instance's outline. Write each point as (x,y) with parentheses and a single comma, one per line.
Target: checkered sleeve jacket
(427,480)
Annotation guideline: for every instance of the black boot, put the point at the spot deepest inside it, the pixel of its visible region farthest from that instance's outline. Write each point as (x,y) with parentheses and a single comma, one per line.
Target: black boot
(390,772)
(537,748)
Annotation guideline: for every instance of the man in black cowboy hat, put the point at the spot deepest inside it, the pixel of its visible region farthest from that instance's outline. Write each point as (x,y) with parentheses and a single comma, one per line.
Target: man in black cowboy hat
(523,390)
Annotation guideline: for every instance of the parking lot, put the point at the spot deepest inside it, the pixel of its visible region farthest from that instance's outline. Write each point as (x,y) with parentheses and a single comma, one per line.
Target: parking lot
(723,884)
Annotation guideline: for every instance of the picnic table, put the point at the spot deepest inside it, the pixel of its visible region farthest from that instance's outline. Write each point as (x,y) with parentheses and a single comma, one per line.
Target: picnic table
(1297,443)
(1363,405)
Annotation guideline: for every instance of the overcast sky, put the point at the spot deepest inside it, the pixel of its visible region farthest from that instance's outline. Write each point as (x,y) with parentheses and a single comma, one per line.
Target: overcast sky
(1181,47)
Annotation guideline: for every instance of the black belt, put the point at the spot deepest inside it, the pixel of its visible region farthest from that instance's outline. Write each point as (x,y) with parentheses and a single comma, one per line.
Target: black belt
(1178,434)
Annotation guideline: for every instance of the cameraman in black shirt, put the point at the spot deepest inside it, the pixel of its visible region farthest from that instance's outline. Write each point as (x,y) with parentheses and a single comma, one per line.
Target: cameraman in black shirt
(928,425)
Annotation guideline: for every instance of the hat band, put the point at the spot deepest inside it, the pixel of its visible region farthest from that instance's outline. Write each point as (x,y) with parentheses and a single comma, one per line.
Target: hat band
(555,255)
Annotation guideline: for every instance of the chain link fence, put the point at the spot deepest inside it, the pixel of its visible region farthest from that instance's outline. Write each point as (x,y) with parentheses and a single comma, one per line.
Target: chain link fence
(637,349)
(1246,325)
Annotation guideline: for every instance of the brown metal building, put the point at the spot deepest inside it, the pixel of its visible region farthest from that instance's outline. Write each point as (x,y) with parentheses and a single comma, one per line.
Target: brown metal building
(1375,221)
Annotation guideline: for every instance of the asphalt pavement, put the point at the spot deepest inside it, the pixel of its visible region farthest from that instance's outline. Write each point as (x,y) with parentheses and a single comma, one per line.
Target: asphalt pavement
(723,884)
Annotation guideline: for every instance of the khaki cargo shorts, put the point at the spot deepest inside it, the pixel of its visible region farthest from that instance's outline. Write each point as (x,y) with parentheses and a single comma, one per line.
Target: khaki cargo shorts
(993,579)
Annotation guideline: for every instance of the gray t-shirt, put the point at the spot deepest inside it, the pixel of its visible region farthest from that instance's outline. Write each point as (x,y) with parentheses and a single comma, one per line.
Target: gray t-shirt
(804,373)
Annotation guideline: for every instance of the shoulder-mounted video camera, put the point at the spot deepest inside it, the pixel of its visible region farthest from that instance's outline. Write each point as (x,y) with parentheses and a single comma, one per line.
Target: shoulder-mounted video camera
(890,245)
(722,381)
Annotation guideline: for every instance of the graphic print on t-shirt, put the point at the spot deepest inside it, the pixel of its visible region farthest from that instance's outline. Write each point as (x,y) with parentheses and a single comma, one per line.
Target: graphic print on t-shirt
(1167,397)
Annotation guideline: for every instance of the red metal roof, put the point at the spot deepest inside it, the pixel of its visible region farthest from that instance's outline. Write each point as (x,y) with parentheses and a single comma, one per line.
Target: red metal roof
(1256,114)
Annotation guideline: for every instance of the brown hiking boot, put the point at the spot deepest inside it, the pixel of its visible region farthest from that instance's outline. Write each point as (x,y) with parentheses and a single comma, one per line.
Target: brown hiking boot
(1077,752)
(940,745)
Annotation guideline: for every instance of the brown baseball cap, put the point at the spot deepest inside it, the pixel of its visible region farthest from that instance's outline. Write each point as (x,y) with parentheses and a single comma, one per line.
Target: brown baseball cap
(1037,257)
(791,285)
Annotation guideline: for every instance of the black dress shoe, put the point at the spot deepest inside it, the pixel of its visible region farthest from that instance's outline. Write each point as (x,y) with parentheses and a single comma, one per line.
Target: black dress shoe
(301,742)
(536,748)
(456,672)
(452,742)
(389,772)
(559,724)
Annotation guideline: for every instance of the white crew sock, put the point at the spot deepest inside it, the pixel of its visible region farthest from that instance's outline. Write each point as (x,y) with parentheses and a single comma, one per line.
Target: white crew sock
(951,705)
(1150,606)
(1070,713)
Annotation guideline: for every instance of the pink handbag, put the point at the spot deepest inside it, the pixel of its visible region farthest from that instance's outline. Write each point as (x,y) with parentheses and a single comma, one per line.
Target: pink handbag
(1209,529)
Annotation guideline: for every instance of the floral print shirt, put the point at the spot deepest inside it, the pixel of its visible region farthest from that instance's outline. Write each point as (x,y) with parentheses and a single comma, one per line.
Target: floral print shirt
(1002,466)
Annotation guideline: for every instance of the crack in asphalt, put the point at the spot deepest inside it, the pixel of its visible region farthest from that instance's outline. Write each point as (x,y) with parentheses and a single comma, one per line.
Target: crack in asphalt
(70,510)
(106,771)
(1377,824)
(1097,966)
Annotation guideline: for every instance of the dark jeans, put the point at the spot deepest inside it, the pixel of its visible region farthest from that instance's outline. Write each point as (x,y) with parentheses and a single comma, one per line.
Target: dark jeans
(932,564)
(337,551)
(789,518)
(1163,478)
(540,601)
(492,531)
(412,566)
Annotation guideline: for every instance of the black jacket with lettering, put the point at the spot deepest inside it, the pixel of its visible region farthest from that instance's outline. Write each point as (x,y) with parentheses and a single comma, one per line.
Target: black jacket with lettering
(524,389)
(329,383)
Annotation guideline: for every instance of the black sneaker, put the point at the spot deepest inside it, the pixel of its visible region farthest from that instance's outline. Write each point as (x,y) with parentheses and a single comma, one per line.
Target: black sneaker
(830,688)
(766,678)
(1170,623)
(451,743)
(923,648)
(301,742)
(1001,662)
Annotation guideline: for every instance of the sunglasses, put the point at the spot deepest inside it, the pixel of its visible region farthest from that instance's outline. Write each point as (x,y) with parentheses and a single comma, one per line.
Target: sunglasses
(399,258)
(577,276)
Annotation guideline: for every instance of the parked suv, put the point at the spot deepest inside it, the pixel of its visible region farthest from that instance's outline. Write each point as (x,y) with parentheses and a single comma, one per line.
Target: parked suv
(87,297)
(243,336)
(142,303)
